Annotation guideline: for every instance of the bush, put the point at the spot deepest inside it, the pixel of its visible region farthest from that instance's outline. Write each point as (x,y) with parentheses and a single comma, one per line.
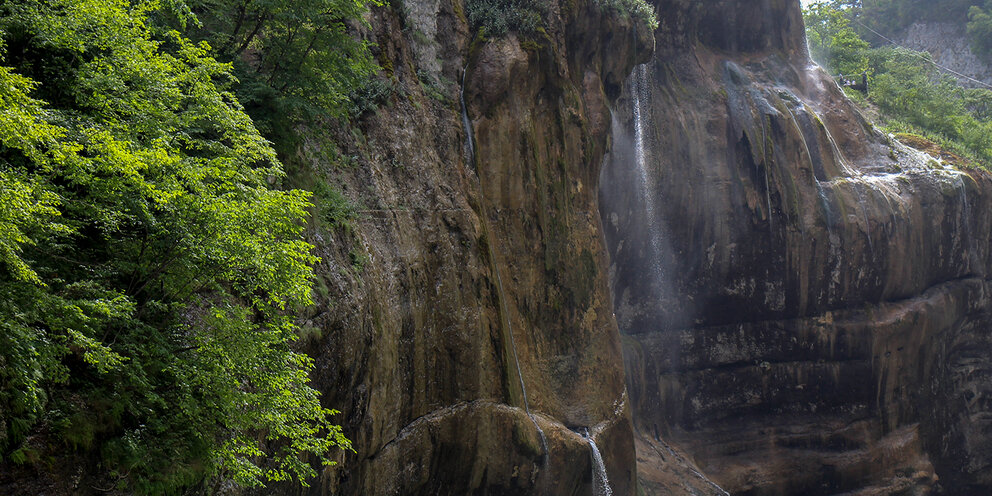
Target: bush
(638,9)
(498,17)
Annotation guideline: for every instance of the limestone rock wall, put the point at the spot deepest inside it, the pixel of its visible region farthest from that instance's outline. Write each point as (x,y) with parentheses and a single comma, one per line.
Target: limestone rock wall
(468,291)
(804,301)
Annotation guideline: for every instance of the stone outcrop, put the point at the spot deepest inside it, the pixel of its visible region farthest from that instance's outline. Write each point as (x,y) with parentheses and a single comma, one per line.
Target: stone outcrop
(470,287)
(805,301)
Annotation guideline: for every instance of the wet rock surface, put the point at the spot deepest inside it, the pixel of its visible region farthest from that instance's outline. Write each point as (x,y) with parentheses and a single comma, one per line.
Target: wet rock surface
(804,300)
(470,289)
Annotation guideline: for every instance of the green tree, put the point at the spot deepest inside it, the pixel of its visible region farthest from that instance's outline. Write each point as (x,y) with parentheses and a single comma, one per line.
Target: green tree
(980,29)
(832,41)
(148,272)
(295,59)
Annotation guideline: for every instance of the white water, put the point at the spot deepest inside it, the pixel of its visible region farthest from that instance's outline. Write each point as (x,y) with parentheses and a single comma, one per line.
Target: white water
(640,93)
(966,220)
(600,481)
(516,361)
(466,123)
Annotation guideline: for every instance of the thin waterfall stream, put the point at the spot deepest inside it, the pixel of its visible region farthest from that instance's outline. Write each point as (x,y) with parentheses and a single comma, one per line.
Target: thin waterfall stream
(504,310)
(467,123)
(600,480)
(640,92)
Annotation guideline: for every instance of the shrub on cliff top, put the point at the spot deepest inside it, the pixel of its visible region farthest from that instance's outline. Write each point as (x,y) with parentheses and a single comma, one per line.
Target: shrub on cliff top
(638,9)
(498,17)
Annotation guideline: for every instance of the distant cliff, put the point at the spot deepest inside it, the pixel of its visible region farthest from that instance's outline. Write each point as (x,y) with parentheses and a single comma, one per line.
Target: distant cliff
(949,46)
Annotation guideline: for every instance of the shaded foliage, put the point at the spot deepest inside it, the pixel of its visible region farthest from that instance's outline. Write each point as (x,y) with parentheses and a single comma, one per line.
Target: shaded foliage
(497,17)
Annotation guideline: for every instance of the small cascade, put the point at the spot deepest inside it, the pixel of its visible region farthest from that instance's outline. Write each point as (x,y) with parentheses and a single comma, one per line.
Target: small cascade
(640,94)
(966,220)
(600,481)
(685,463)
(504,310)
(766,166)
(467,124)
(864,214)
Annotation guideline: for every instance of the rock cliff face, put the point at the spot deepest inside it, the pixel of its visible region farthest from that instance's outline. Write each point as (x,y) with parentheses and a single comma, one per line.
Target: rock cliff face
(470,289)
(948,43)
(804,306)
(805,303)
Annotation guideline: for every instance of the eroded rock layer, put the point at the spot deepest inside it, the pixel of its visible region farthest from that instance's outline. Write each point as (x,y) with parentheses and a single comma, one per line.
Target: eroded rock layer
(805,302)
(470,287)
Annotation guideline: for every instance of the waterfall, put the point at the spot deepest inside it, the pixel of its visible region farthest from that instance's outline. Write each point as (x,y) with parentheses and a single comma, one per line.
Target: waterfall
(966,220)
(600,482)
(516,361)
(467,124)
(504,310)
(640,93)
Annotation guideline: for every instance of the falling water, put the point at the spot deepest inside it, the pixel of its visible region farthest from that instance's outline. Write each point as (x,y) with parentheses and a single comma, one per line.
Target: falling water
(516,361)
(470,151)
(466,123)
(864,214)
(600,482)
(640,93)
(966,220)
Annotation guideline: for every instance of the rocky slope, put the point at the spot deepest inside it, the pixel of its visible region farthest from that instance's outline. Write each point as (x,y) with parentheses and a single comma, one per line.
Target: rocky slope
(805,302)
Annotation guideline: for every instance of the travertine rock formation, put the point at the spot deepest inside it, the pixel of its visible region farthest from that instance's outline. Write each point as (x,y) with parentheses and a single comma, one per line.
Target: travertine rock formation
(805,302)
(475,268)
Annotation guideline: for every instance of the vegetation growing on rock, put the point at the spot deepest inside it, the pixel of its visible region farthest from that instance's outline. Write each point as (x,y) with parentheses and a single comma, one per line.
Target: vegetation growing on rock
(911,93)
(498,17)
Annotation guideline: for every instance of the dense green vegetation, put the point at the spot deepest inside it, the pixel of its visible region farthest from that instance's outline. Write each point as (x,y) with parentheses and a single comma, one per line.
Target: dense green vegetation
(293,59)
(980,30)
(911,93)
(149,271)
(497,17)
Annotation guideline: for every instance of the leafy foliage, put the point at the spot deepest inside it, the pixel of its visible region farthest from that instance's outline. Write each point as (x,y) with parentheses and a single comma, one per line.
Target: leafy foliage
(638,9)
(294,59)
(911,92)
(980,29)
(497,17)
(148,272)
(833,41)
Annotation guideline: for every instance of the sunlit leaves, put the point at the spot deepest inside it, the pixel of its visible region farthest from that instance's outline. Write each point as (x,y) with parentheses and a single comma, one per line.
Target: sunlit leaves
(148,271)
